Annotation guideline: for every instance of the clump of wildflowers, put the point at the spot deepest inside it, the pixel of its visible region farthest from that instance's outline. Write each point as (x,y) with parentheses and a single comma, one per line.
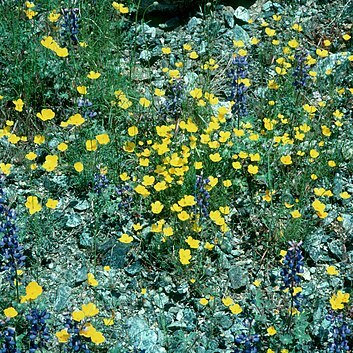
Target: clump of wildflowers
(337,300)
(39,332)
(300,73)
(173,105)
(70,26)
(100,180)
(239,86)
(201,196)
(247,342)
(75,340)
(9,341)
(78,328)
(85,104)
(293,262)
(124,193)
(11,252)
(338,334)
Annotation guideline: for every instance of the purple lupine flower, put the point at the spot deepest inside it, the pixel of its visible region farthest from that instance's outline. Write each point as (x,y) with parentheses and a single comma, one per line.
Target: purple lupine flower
(76,342)
(300,73)
(38,332)
(339,333)
(247,342)
(238,89)
(70,26)
(292,268)
(201,196)
(9,344)
(12,257)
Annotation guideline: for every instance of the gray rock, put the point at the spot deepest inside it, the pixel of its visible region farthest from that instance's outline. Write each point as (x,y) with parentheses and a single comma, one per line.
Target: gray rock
(347,151)
(62,297)
(82,205)
(143,337)
(350,259)
(224,262)
(194,23)
(190,318)
(173,310)
(85,240)
(332,215)
(144,28)
(336,247)
(203,47)
(330,61)
(183,288)
(240,34)
(190,80)
(226,247)
(313,245)
(160,300)
(347,223)
(241,13)
(53,142)
(152,32)
(116,256)
(228,14)
(73,221)
(270,6)
(145,56)
(338,183)
(256,8)
(134,269)
(237,277)
(80,275)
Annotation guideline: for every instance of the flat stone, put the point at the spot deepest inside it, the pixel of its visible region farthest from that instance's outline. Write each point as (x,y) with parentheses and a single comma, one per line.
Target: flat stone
(142,336)
(240,34)
(237,277)
(62,297)
(194,23)
(160,300)
(228,14)
(241,13)
(82,205)
(117,255)
(134,269)
(73,221)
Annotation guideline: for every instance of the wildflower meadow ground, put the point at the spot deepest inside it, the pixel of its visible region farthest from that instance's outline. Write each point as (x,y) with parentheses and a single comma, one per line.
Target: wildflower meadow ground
(176,182)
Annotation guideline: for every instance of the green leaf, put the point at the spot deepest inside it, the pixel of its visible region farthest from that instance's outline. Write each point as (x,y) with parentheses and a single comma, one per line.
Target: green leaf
(73,221)
(286,339)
